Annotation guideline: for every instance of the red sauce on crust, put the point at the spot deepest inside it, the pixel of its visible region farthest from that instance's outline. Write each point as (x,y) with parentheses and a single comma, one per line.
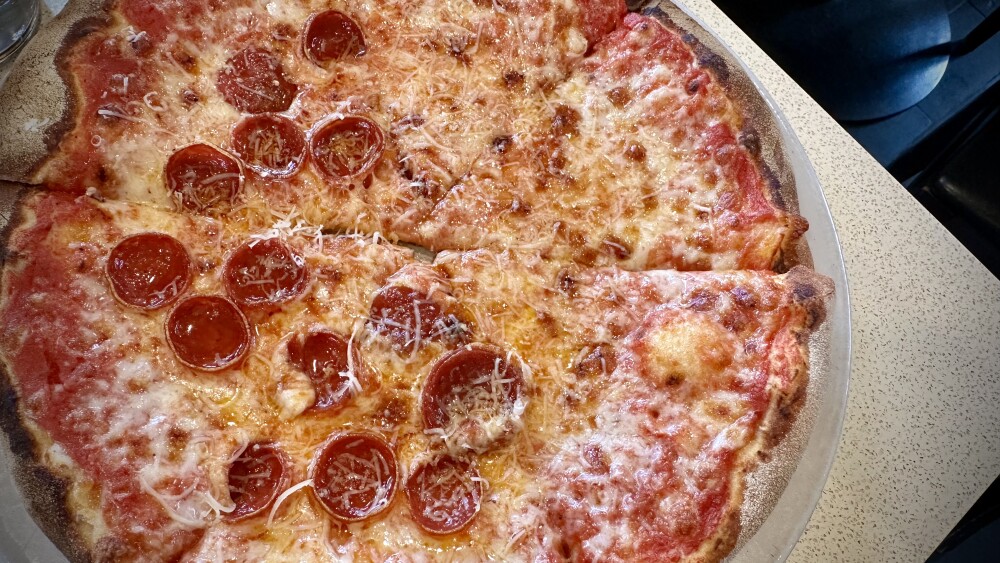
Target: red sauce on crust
(60,369)
(643,44)
(112,79)
(672,541)
(159,19)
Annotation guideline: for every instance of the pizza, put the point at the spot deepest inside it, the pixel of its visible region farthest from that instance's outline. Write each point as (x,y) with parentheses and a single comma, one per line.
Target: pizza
(394,281)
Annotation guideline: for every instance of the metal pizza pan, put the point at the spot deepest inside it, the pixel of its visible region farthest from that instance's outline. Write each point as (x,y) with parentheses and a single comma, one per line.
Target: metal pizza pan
(782,492)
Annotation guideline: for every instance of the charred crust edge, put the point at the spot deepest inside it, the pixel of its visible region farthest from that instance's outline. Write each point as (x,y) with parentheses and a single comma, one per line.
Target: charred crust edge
(786,411)
(44,492)
(44,63)
(812,291)
(727,535)
(77,32)
(12,214)
(707,57)
(759,123)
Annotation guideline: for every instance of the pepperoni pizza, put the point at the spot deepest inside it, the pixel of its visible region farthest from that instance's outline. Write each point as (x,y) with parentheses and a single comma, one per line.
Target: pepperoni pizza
(396,281)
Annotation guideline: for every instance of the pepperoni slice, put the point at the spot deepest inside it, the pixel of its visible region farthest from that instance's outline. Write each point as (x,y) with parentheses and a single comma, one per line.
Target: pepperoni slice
(473,393)
(253,81)
(332,36)
(444,495)
(256,478)
(265,272)
(149,270)
(409,318)
(208,332)
(347,147)
(270,144)
(202,178)
(354,476)
(323,356)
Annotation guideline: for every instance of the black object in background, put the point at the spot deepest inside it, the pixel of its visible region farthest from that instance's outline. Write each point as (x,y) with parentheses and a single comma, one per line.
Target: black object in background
(860,59)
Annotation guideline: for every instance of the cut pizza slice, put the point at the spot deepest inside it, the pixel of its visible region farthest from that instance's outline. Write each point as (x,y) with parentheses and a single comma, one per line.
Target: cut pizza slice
(572,383)
(188,387)
(154,359)
(357,116)
(182,386)
(642,161)
(652,396)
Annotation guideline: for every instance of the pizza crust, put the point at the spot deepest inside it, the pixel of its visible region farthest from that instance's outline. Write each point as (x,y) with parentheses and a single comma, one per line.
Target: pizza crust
(760,134)
(801,295)
(811,292)
(46,493)
(37,107)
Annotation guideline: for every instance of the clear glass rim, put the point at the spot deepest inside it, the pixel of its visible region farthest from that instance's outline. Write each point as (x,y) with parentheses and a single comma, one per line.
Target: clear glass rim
(14,48)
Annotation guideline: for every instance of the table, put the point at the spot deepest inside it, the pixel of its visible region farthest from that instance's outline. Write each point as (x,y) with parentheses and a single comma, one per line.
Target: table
(922,435)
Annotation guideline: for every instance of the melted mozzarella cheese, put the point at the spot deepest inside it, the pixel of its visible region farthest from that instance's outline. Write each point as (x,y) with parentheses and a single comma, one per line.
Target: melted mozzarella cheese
(446,118)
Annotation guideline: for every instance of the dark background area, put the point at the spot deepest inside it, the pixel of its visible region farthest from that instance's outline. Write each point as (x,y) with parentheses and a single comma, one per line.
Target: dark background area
(944,148)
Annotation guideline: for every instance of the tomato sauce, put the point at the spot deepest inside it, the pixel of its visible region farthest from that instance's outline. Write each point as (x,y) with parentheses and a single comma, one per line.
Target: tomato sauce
(64,380)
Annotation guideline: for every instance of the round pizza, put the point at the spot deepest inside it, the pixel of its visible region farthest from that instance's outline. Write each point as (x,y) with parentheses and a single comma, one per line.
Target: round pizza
(398,280)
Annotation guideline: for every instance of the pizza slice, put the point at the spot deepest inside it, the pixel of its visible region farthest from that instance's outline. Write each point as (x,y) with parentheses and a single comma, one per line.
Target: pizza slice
(153,358)
(652,395)
(290,395)
(641,160)
(180,386)
(520,435)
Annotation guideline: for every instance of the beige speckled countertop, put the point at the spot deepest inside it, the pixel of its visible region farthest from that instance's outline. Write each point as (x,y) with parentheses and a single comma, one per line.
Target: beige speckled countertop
(921,440)
(922,436)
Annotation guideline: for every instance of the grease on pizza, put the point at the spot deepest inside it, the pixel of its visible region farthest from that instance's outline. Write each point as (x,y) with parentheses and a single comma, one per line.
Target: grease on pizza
(218,344)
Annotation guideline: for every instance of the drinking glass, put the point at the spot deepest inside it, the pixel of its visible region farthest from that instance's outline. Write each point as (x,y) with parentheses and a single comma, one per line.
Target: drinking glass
(18,21)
